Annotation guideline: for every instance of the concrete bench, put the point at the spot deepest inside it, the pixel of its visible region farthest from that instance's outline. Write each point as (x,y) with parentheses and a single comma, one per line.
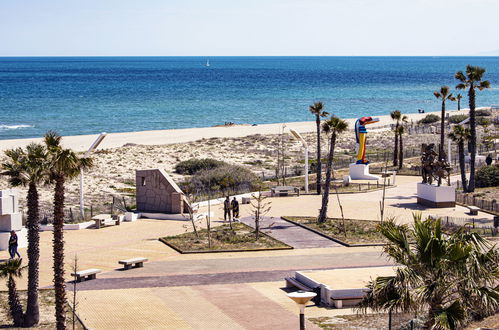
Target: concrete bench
(88,274)
(284,191)
(137,262)
(293,282)
(473,210)
(102,220)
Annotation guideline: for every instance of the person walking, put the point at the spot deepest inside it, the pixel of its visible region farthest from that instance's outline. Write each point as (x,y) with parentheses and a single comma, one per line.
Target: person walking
(227,208)
(13,245)
(235,208)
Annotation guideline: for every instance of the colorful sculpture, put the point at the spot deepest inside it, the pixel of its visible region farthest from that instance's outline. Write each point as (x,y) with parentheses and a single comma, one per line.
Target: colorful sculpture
(361,137)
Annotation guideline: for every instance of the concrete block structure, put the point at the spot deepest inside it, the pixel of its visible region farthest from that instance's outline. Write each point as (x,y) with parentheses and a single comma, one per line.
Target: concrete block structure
(156,192)
(11,219)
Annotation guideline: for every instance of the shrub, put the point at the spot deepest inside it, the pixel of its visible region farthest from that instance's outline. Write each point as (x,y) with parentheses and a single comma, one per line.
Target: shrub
(488,176)
(456,119)
(429,119)
(482,121)
(195,165)
(483,113)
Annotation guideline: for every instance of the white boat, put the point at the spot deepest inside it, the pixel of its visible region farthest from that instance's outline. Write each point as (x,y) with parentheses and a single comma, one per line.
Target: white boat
(207,63)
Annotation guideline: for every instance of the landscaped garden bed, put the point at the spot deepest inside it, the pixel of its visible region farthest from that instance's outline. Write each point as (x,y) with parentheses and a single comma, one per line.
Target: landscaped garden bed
(363,321)
(223,239)
(356,232)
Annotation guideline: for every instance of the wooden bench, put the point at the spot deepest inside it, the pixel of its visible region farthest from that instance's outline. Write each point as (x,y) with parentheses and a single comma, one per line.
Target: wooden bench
(88,274)
(136,262)
(102,220)
(284,191)
(473,210)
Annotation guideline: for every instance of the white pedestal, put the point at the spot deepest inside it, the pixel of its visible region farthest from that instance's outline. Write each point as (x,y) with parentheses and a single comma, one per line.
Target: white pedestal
(10,222)
(435,196)
(130,216)
(22,240)
(361,172)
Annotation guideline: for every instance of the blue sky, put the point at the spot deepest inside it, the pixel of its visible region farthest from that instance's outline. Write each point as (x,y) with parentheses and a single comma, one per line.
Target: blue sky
(250,27)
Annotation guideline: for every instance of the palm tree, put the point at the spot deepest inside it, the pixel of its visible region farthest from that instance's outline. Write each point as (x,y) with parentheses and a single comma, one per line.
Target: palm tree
(332,126)
(400,132)
(10,270)
(471,80)
(447,277)
(317,110)
(459,96)
(460,135)
(28,167)
(399,118)
(65,165)
(444,94)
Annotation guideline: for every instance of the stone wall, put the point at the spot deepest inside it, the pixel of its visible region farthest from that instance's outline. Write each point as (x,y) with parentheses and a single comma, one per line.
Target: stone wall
(158,193)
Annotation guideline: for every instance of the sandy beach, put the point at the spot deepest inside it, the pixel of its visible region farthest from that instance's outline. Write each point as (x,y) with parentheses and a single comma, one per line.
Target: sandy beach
(171,136)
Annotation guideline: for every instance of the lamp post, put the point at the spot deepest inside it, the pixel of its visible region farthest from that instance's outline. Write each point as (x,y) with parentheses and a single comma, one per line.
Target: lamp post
(92,148)
(305,146)
(301,298)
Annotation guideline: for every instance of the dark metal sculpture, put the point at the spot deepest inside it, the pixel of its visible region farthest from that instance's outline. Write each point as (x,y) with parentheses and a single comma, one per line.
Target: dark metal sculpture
(431,167)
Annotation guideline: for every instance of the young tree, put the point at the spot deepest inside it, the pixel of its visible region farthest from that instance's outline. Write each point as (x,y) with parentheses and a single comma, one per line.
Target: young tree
(260,206)
(12,269)
(317,109)
(444,94)
(460,135)
(472,80)
(447,277)
(333,126)
(64,165)
(459,96)
(29,167)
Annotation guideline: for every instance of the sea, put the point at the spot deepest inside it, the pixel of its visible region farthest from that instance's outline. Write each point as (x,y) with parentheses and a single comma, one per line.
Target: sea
(89,95)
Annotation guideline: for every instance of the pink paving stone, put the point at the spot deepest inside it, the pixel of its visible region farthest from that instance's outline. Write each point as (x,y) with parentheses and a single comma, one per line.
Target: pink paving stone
(249,308)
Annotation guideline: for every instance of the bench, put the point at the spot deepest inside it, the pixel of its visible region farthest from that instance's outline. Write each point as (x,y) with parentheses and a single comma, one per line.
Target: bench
(88,274)
(293,282)
(473,210)
(102,220)
(284,191)
(136,262)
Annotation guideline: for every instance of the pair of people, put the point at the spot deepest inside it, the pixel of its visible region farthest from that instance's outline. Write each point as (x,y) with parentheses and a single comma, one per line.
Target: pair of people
(231,206)
(13,245)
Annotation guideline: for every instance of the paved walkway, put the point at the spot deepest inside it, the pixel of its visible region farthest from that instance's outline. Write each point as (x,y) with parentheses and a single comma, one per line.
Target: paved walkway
(289,233)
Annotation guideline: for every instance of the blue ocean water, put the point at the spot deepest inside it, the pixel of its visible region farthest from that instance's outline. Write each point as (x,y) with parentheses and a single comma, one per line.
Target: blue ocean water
(86,95)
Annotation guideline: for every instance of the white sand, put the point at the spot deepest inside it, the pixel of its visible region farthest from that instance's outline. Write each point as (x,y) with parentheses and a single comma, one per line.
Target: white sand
(171,136)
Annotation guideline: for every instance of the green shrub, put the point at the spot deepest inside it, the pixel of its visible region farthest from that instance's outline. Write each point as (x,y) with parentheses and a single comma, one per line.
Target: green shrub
(456,119)
(488,176)
(429,119)
(195,165)
(482,121)
(483,113)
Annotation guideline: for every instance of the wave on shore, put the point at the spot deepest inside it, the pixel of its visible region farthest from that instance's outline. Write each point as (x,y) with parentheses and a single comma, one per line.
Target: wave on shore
(8,127)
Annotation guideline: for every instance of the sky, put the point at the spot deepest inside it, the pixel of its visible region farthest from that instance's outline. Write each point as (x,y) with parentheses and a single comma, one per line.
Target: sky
(249,27)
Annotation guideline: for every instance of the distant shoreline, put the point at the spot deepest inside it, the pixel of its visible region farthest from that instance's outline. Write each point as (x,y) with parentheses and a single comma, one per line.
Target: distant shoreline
(172,136)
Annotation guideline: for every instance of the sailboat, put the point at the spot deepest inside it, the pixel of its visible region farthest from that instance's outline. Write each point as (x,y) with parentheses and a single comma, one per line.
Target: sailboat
(207,63)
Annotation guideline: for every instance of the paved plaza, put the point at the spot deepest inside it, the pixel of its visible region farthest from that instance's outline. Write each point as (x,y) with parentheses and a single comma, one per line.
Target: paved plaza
(238,290)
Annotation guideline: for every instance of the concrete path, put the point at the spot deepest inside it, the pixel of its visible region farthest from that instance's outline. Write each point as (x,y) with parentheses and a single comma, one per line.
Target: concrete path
(289,233)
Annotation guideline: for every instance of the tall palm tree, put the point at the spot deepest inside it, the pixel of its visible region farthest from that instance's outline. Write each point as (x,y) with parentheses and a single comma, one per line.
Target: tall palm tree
(12,269)
(65,165)
(460,135)
(28,167)
(400,132)
(459,96)
(444,94)
(399,118)
(333,126)
(446,277)
(317,109)
(472,80)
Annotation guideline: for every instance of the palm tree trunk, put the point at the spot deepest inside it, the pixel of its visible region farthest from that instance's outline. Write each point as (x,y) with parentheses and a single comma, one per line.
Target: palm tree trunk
(395,147)
(325,194)
(58,253)
(32,316)
(462,164)
(458,104)
(471,96)
(319,161)
(401,152)
(442,132)
(16,309)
